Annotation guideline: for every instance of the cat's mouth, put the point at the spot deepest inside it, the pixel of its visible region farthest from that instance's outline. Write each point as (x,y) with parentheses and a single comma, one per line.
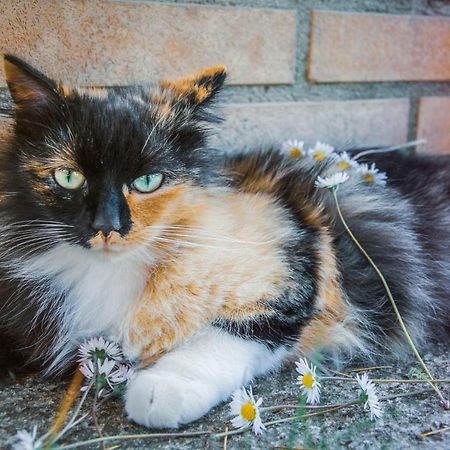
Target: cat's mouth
(110,243)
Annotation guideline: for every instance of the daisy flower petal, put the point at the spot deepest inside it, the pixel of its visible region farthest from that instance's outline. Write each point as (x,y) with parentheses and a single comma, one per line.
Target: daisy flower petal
(246,411)
(345,162)
(293,148)
(331,181)
(123,374)
(87,369)
(369,396)
(371,175)
(99,348)
(320,151)
(308,381)
(24,440)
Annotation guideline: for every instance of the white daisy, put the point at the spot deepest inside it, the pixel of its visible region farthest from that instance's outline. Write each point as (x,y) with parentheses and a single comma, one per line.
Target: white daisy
(89,368)
(99,348)
(345,162)
(308,381)
(369,396)
(320,151)
(331,181)
(371,175)
(246,410)
(25,440)
(101,370)
(293,148)
(123,374)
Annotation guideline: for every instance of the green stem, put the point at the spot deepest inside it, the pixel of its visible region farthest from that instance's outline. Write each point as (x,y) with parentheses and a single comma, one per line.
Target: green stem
(445,402)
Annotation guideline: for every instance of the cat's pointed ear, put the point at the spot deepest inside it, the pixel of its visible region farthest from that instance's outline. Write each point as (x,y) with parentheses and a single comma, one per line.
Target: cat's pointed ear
(196,89)
(29,88)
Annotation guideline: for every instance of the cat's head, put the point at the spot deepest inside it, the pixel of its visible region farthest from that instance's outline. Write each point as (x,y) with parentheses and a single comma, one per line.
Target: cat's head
(103,167)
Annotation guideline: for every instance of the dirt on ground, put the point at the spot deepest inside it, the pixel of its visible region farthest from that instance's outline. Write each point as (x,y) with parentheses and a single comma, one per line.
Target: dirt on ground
(29,401)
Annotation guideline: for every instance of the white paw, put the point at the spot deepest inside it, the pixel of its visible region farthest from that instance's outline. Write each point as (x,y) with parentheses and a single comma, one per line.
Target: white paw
(167,400)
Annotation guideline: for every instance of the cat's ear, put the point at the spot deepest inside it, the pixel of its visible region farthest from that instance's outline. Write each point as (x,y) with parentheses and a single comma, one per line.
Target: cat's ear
(29,88)
(196,89)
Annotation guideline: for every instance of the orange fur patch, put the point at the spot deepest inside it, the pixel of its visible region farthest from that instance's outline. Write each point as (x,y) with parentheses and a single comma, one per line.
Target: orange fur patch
(23,89)
(196,84)
(225,271)
(332,307)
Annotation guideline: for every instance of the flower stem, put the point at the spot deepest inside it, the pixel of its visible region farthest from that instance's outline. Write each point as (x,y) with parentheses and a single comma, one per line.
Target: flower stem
(445,402)
(390,149)
(94,415)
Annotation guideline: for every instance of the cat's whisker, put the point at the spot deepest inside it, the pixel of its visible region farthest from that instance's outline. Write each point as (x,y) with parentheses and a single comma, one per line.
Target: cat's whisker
(208,235)
(194,244)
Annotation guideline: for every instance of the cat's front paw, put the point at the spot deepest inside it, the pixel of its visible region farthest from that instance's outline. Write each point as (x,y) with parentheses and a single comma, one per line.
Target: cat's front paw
(166,400)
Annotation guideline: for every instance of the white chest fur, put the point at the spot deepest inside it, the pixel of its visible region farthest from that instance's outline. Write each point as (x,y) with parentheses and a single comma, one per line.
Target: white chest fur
(98,291)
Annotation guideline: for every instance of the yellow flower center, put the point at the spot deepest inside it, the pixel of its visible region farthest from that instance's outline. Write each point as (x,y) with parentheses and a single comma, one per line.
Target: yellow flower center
(248,411)
(344,165)
(319,156)
(368,178)
(308,380)
(295,152)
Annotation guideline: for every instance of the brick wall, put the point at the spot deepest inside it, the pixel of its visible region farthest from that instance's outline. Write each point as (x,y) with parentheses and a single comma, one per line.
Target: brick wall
(344,71)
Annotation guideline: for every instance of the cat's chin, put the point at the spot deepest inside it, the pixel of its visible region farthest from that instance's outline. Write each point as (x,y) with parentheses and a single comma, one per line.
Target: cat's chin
(107,251)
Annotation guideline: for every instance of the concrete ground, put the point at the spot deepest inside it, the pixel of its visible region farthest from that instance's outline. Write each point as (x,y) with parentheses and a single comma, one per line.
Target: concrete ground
(28,401)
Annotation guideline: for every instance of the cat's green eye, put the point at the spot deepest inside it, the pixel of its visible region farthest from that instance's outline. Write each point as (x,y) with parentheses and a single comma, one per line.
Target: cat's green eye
(69,179)
(147,183)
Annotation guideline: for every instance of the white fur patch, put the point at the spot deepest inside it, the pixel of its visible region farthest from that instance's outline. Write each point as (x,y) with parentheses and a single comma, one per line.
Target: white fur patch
(187,382)
(98,290)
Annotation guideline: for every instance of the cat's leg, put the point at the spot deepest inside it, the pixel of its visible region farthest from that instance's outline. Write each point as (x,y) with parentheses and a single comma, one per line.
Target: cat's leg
(187,382)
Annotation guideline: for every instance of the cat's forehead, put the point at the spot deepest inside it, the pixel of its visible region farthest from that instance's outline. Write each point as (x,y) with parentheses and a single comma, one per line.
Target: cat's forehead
(106,128)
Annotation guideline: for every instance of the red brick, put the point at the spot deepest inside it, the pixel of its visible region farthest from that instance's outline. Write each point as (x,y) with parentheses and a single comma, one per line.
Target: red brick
(114,43)
(341,123)
(434,123)
(348,47)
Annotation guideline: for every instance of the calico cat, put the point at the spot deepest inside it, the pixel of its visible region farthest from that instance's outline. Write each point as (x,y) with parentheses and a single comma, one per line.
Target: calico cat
(117,219)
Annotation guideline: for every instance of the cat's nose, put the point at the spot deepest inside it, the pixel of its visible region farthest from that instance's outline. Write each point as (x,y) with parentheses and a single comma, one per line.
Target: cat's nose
(107,217)
(105,227)
(106,223)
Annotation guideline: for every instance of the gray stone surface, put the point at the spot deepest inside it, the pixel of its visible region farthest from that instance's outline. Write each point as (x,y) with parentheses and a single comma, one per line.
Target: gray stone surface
(29,401)
(343,124)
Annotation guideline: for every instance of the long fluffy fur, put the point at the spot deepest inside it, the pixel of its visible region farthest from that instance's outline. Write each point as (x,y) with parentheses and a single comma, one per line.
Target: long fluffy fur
(243,249)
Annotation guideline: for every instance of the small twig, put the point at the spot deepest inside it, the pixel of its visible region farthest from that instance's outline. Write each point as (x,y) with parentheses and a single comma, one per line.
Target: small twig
(293,406)
(134,436)
(73,422)
(284,420)
(390,380)
(445,402)
(233,432)
(340,373)
(431,433)
(366,369)
(225,439)
(406,394)
(66,403)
